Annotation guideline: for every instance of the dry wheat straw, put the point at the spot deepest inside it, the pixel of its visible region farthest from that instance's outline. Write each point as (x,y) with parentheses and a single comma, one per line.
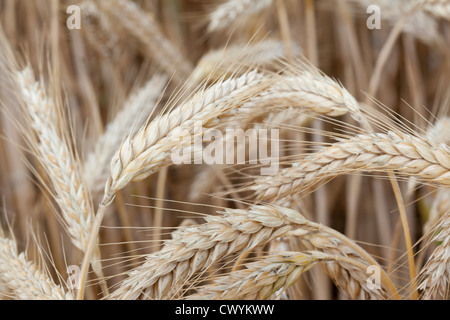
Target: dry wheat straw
(133,115)
(196,248)
(196,255)
(405,153)
(231,10)
(262,279)
(24,278)
(59,163)
(145,28)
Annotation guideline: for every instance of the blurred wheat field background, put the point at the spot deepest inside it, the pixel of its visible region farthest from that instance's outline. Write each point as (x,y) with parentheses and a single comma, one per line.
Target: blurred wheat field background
(345,103)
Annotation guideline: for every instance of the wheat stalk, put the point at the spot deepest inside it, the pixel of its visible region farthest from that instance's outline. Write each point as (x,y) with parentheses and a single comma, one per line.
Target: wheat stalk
(203,183)
(59,163)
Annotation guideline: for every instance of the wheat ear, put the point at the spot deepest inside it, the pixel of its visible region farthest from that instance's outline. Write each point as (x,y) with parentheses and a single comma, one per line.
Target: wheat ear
(437,134)
(310,91)
(307,89)
(151,148)
(196,248)
(419,24)
(435,274)
(405,153)
(437,8)
(272,274)
(136,110)
(228,12)
(351,280)
(98,30)
(440,206)
(24,278)
(261,279)
(55,155)
(319,237)
(238,58)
